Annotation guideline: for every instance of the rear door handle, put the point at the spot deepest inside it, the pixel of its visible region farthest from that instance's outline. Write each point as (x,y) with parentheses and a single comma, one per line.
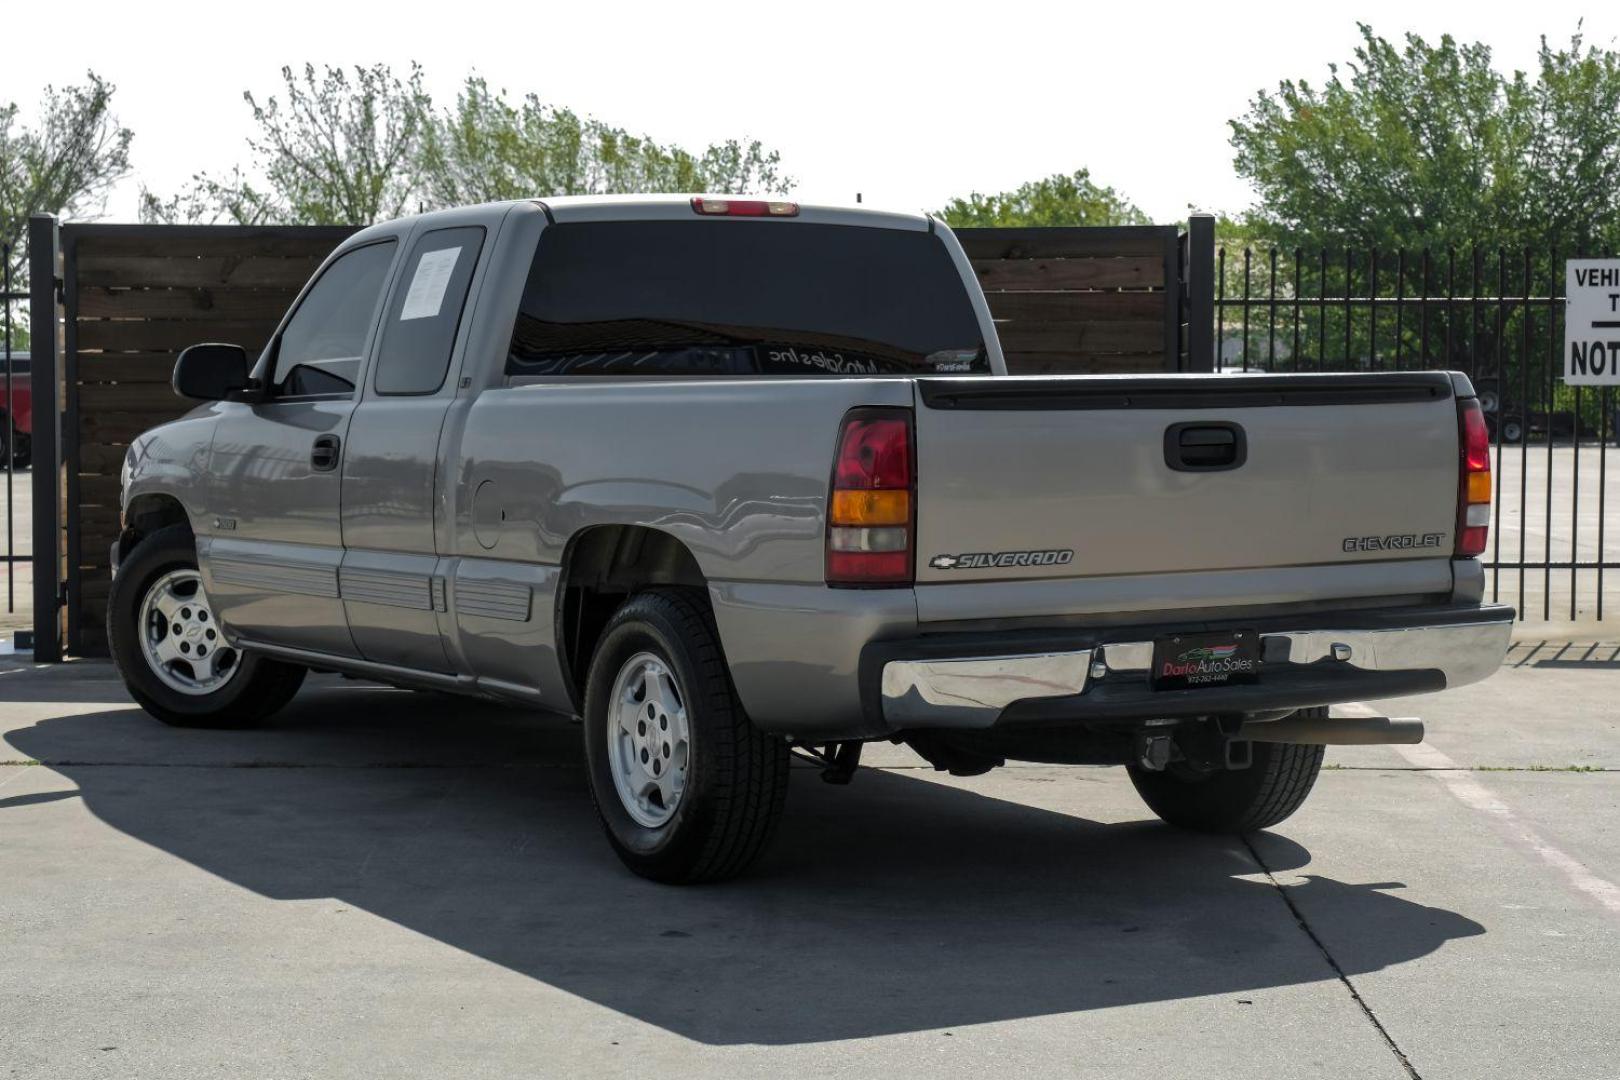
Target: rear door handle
(324,456)
(1205,446)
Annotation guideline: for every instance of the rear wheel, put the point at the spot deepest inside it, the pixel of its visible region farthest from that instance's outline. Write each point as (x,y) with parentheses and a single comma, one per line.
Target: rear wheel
(688,789)
(171,651)
(1274,785)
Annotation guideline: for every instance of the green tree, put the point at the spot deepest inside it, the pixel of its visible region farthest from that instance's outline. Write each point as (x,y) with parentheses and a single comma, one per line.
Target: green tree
(489,147)
(337,148)
(334,149)
(1481,177)
(1425,144)
(1056,200)
(64,164)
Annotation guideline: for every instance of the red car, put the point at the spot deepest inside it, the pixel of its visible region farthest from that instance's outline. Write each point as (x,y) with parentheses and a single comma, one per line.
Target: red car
(19,408)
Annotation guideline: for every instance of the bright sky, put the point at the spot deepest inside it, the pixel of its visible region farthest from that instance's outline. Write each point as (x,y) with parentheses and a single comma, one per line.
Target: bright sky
(908,104)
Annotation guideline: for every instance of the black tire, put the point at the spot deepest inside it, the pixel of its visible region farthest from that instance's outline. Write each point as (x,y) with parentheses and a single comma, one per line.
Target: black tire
(737,776)
(258,687)
(21,442)
(1234,801)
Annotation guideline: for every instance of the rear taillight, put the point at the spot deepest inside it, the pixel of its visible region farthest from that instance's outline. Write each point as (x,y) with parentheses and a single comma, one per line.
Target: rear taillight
(744,207)
(871,507)
(1474,486)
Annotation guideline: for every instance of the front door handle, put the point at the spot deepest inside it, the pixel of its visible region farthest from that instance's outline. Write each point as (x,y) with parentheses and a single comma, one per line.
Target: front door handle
(324,456)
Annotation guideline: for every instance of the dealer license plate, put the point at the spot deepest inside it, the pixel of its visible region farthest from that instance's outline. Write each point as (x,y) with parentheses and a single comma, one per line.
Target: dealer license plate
(1192,661)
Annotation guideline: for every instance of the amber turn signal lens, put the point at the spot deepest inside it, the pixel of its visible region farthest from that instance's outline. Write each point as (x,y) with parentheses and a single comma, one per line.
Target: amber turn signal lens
(1479,487)
(871,507)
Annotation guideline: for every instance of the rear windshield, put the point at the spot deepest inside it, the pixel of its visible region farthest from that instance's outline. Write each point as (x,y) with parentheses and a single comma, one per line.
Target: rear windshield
(728,298)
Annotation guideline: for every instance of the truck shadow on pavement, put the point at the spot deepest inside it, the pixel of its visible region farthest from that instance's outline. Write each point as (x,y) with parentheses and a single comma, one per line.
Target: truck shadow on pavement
(894,905)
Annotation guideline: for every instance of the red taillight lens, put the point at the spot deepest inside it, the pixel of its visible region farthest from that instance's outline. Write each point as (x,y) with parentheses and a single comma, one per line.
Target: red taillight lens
(874,455)
(871,513)
(744,207)
(1474,482)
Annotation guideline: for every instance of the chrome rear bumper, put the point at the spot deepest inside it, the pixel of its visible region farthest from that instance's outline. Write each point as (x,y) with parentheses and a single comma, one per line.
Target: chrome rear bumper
(1300,667)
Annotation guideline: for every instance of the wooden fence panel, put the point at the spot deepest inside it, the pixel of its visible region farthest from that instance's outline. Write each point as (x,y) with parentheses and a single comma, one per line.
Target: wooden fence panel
(1110,242)
(1011,275)
(134,297)
(1081,300)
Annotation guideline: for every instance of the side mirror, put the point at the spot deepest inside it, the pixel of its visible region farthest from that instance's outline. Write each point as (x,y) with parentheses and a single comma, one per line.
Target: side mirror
(211,372)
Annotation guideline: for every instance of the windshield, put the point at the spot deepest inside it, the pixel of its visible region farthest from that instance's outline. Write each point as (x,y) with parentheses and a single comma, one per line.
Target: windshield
(743,297)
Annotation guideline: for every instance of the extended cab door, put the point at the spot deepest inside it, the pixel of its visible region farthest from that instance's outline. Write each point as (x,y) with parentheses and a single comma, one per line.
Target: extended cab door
(392,593)
(273,539)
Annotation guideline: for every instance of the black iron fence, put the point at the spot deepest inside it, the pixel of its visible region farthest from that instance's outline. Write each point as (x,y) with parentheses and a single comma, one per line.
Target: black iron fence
(15,417)
(1494,314)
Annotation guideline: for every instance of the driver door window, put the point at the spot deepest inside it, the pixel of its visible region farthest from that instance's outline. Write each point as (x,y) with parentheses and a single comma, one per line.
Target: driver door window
(319,352)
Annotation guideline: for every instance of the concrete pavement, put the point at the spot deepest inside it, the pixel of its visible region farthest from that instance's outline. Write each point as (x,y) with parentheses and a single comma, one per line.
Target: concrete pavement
(390,884)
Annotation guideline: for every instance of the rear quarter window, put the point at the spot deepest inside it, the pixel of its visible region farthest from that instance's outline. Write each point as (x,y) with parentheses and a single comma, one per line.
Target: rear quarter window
(425,313)
(735,298)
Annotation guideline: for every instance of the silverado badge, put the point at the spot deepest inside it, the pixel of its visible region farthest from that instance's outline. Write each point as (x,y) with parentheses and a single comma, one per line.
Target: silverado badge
(984,560)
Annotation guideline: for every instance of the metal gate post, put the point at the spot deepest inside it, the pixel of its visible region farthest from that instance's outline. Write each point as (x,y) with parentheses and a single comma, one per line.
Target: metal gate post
(45,351)
(1201,293)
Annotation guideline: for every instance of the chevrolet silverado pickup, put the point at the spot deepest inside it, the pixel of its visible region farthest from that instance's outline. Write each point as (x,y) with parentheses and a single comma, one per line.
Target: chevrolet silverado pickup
(732,479)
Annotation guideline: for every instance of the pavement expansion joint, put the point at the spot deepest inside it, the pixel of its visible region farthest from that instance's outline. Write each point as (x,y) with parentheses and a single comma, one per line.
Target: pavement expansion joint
(1321,946)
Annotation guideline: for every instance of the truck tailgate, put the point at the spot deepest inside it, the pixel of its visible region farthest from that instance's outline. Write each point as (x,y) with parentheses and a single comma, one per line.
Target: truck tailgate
(1030,480)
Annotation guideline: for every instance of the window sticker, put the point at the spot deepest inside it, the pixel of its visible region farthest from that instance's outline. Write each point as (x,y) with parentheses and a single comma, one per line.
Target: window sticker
(426,294)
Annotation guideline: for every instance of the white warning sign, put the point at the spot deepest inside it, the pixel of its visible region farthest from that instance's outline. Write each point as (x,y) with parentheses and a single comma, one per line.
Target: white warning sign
(1592,322)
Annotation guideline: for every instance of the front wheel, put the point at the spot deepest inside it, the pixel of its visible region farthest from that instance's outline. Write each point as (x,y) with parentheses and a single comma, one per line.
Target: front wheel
(1274,785)
(171,651)
(688,789)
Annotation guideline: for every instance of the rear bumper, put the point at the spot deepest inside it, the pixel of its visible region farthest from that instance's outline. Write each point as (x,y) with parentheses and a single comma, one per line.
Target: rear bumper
(974,681)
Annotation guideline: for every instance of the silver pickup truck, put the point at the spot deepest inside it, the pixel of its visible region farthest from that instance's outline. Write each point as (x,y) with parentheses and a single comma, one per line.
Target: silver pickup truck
(735,479)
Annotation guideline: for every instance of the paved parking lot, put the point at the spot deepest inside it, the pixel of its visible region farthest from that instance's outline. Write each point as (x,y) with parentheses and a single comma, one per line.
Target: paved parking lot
(392,884)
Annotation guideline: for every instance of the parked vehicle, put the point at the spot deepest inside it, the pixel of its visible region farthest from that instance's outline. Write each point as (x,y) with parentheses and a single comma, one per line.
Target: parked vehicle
(732,479)
(17,408)
(1510,423)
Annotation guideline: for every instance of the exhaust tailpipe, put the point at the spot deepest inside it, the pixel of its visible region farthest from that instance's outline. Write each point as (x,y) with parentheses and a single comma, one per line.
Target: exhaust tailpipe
(1336,730)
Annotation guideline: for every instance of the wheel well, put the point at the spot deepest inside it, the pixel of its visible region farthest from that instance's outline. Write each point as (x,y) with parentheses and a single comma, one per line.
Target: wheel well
(602,567)
(146,515)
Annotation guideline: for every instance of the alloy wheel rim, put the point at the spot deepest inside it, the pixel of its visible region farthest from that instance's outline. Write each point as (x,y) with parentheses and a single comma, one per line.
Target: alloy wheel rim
(649,740)
(180,639)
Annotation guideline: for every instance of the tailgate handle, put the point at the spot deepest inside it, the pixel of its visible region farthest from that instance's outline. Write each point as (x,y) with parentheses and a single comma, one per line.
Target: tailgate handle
(1205,446)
